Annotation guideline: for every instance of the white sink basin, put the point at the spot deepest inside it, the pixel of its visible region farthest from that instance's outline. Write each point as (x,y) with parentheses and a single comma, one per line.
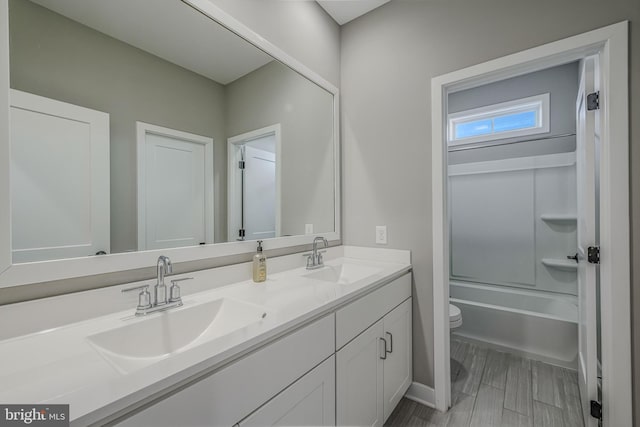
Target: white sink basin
(145,341)
(343,274)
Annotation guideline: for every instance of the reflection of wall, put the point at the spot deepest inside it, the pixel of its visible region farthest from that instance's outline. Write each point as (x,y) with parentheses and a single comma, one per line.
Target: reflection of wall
(58,58)
(560,82)
(301,28)
(275,94)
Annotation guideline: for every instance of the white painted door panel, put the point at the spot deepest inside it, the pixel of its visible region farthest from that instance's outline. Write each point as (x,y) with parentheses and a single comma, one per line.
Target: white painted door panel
(310,401)
(398,370)
(586,230)
(175,192)
(59,179)
(259,193)
(359,380)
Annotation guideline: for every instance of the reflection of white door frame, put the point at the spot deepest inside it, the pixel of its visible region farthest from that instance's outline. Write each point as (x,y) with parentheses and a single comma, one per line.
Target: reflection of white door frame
(142,130)
(97,214)
(611,44)
(233,177)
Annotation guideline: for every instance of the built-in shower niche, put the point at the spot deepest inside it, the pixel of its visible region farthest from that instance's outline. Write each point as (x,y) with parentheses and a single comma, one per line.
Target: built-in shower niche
(513,222)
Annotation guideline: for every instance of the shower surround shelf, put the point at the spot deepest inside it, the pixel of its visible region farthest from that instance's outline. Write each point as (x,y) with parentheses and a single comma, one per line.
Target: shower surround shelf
(561,264)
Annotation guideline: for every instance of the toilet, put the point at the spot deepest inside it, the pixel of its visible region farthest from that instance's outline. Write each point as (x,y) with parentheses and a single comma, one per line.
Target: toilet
(455,317)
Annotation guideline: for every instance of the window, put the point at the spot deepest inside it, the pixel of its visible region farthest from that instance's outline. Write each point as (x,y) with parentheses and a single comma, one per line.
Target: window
(526,116)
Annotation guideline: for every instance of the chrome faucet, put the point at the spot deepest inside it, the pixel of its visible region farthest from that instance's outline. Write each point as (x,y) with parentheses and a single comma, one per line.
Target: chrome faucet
(314,259)
(160,301)
(164,267)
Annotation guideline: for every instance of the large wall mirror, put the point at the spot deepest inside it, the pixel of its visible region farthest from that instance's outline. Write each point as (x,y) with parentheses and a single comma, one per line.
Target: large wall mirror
(138,127)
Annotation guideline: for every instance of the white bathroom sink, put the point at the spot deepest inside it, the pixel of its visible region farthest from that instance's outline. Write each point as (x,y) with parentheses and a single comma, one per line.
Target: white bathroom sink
(343,274)
(144,341)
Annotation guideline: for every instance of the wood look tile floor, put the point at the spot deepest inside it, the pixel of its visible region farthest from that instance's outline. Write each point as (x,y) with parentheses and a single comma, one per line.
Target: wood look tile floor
(490,388)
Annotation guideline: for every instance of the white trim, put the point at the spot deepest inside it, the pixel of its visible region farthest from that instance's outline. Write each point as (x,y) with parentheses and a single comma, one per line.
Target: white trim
(514,164)
(142,129)
(539,103)
(5,147)
(422,394)
(232,160)
(21,274)
(611,44)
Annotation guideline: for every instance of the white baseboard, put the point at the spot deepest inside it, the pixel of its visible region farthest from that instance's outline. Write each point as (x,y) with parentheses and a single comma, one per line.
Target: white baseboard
(422,394)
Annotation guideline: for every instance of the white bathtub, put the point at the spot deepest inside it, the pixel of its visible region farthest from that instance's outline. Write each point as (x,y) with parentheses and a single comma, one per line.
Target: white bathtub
(538,325)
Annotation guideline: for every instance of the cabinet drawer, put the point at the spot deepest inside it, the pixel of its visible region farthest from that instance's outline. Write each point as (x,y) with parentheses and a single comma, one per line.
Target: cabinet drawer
(232,393)
(359,315)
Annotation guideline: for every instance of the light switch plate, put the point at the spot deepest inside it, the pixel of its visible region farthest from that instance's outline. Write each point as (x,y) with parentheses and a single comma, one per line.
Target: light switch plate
(381,234)
(308,229)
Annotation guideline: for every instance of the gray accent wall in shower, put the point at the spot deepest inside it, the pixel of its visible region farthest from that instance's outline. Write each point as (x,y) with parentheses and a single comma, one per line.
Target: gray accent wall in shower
(560,82)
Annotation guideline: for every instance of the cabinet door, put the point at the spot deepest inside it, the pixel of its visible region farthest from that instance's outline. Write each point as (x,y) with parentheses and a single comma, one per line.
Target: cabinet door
(359,366)
(310,401)
(398,367)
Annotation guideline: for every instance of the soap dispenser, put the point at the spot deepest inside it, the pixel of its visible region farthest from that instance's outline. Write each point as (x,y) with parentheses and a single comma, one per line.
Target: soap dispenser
(259,265)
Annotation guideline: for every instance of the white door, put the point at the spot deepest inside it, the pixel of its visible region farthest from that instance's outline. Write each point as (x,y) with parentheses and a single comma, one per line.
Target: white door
(259,194)
(175,188)
(359,380)
(253,190)
(398,369)
(586,158)
(310,401)
(59,179)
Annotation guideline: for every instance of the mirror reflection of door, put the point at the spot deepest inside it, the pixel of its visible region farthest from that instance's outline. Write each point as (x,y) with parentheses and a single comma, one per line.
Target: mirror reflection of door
(254,185)
(59,179)
(175,188)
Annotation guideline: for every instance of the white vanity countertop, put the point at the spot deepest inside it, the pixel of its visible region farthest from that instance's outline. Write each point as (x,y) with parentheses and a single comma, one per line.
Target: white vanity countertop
(61,366)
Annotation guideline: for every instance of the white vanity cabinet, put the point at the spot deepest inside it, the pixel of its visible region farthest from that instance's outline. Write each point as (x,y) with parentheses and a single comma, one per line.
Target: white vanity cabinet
(234,392)
(350,367)
(374,369)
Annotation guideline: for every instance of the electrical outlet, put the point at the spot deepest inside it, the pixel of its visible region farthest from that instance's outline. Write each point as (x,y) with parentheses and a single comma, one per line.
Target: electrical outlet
(308,229)
(381,234)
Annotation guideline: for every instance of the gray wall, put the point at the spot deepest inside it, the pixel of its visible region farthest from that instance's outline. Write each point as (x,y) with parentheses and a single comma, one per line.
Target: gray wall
(388,59)
(58,58)
(276,94)
(560,82)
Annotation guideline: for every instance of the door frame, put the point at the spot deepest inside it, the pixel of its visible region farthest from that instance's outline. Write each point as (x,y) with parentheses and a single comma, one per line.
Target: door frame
(233,156)
(142,129)
(611,45)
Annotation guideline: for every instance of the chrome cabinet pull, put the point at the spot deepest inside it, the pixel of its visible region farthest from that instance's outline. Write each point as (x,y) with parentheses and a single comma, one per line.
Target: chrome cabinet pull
(384,353)
(390,342)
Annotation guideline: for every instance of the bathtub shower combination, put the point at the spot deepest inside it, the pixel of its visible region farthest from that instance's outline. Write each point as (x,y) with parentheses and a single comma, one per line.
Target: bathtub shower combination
(512,227)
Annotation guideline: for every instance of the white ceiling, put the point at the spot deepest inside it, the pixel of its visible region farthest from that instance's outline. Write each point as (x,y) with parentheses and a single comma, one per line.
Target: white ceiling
(343,11)
(170,30)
